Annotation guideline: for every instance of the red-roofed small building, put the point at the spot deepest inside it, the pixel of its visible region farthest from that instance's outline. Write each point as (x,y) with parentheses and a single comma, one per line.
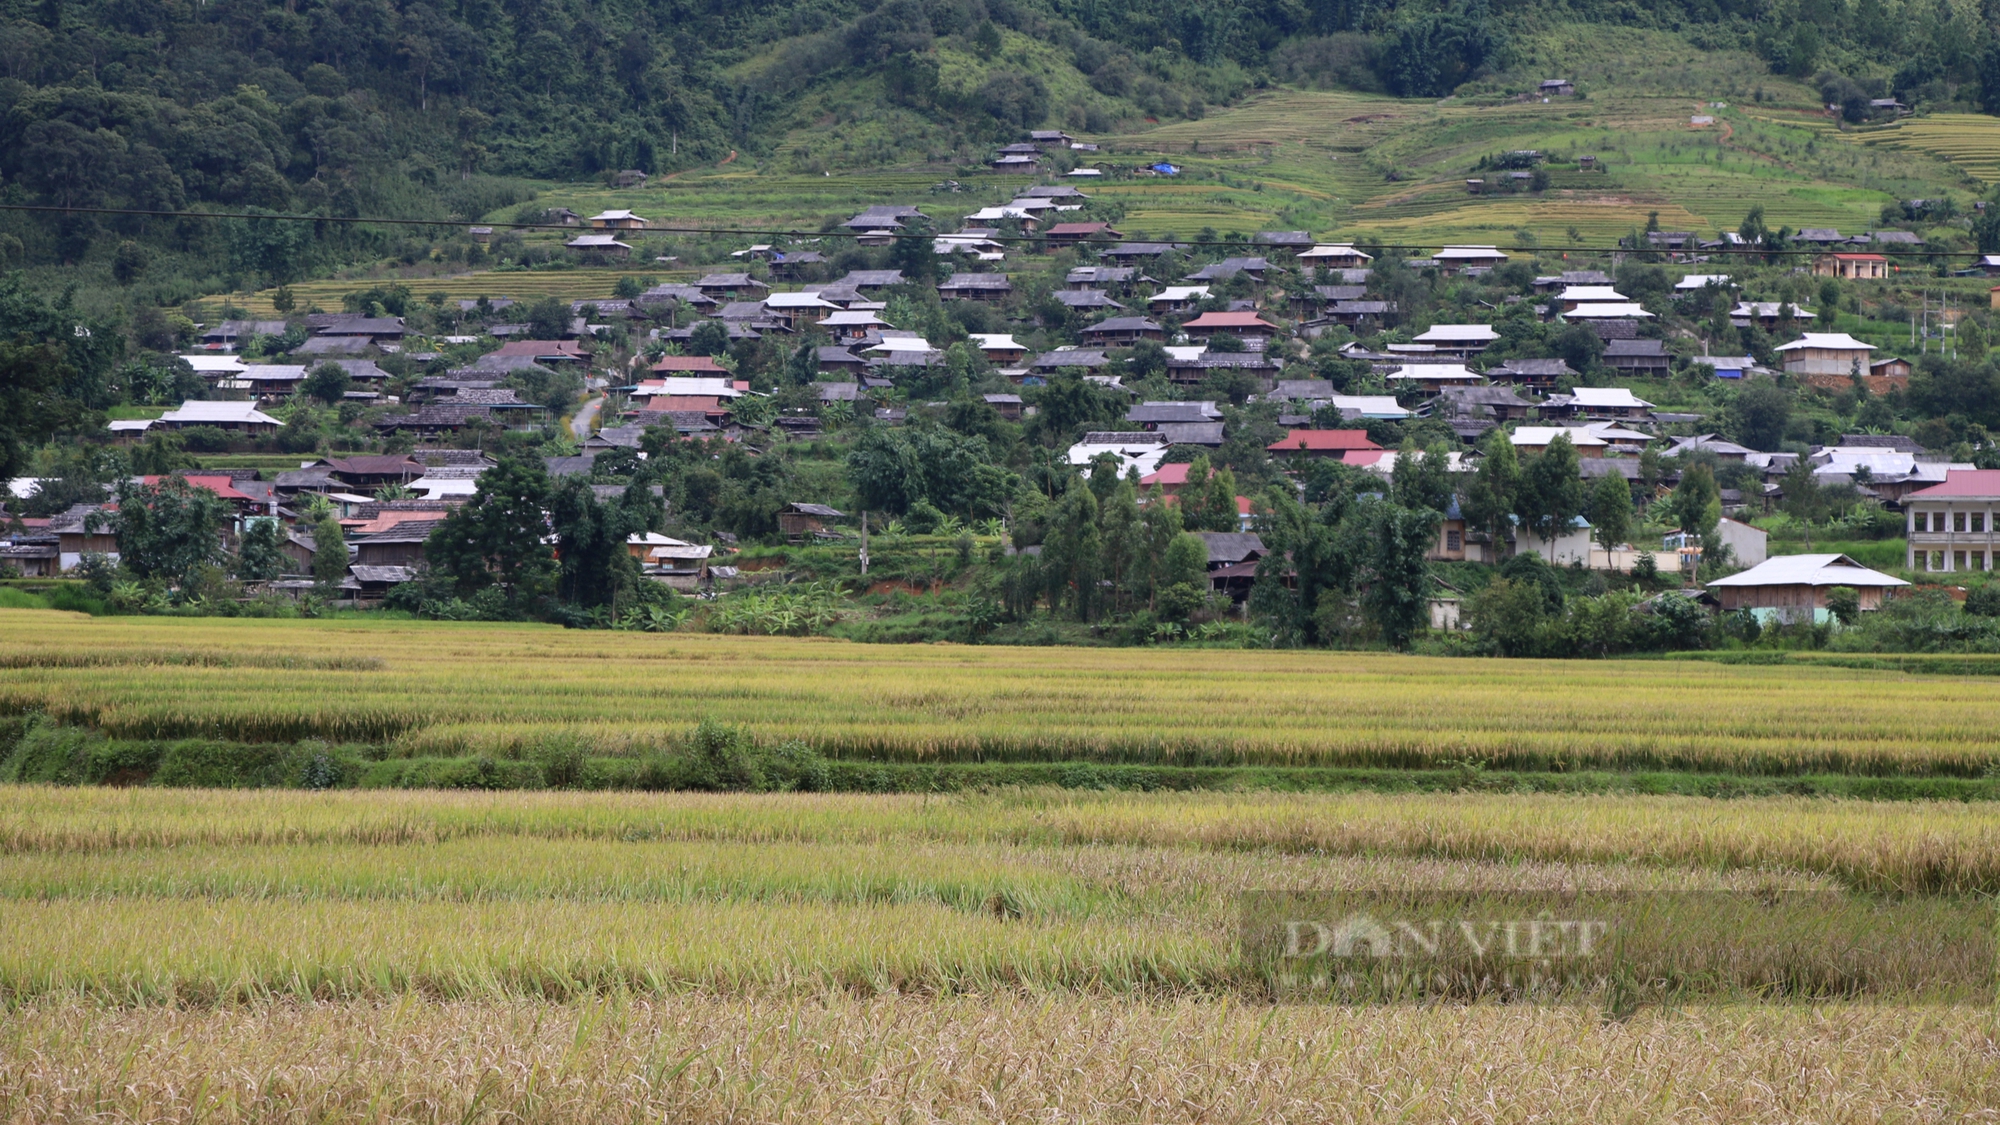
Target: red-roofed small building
(1170,479)
(1950,525)
(220,485)
(688,363)
(1322,443)
(1245,324)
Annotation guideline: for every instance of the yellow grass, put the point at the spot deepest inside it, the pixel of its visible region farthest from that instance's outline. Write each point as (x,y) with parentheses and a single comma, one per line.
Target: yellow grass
(398,957)
(1899,846)
(500,689)
(836,1058)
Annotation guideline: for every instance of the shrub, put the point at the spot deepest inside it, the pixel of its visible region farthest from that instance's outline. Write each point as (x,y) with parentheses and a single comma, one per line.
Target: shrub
(722,758)
(562,758)
(50,754)
(1983,601)
(202,764)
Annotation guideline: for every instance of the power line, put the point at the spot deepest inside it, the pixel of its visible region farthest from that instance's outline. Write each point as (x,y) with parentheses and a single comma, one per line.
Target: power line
(1034,239)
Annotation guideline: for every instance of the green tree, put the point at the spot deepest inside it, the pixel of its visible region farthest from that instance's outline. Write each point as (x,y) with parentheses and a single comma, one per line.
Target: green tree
(1161,527)
(548,319)
(1761,412)
(327,383)
(128,262)
(1067,405)
(1652,470)
(596,567)
(916,256)
(1124,535)
(710,337)
(170,529)
(891,469)
(1551,494)
(1421,479)
(1396,583)
(1309,567)
(1752,229)
(329,553)
(1508,615)
(1805,501)
(1610,512)
(56,365)
(1183,576)
(1696,504)
(1844,602)
(497,539)
(1208,500)
(1491,494)
(1073,555)
(260,555)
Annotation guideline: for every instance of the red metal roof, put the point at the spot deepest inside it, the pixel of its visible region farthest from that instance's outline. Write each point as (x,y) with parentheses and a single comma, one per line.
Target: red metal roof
(1860,257)
(1362,458)
(1229,320)
(688,363)
(1168,476)
(221,486)
(1323,440)
(1961,482)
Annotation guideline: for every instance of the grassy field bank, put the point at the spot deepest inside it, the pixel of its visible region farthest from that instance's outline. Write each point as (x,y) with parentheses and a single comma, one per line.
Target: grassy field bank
(271,956)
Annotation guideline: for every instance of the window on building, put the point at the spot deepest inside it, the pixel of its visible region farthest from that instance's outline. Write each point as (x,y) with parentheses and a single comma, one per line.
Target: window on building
(1453,541)
(1958,560)
(1920,521)
(1958,522)
(1936,561)
(1978,522)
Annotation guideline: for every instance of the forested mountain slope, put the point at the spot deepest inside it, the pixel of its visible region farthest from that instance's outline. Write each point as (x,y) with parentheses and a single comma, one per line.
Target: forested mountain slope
(447,109)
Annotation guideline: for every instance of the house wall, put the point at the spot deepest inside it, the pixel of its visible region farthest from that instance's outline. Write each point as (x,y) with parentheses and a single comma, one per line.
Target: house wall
(1948,541)
(388,554)
(1825,361)
(1790,604)
(1851,270)
(1445,614)
(72,548)
(1747,545)
(1450,545)
(1573,546)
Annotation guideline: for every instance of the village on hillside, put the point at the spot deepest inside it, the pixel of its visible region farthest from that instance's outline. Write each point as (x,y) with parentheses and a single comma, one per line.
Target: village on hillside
(1300,355)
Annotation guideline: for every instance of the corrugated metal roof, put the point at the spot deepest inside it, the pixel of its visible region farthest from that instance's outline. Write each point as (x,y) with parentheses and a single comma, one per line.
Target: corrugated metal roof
(1809,570)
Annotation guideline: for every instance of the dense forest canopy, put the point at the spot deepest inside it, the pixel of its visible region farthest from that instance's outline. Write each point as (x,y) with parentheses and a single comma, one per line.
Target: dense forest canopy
(419,109)
(282,102)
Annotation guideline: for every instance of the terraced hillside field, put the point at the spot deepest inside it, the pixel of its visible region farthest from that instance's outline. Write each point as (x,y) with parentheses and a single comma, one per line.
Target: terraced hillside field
(1970,141)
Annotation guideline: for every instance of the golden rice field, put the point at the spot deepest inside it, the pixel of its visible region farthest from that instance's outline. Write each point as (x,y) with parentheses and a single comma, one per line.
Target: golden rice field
(1969,140)
(447,689)
(173,955)
(569,285)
